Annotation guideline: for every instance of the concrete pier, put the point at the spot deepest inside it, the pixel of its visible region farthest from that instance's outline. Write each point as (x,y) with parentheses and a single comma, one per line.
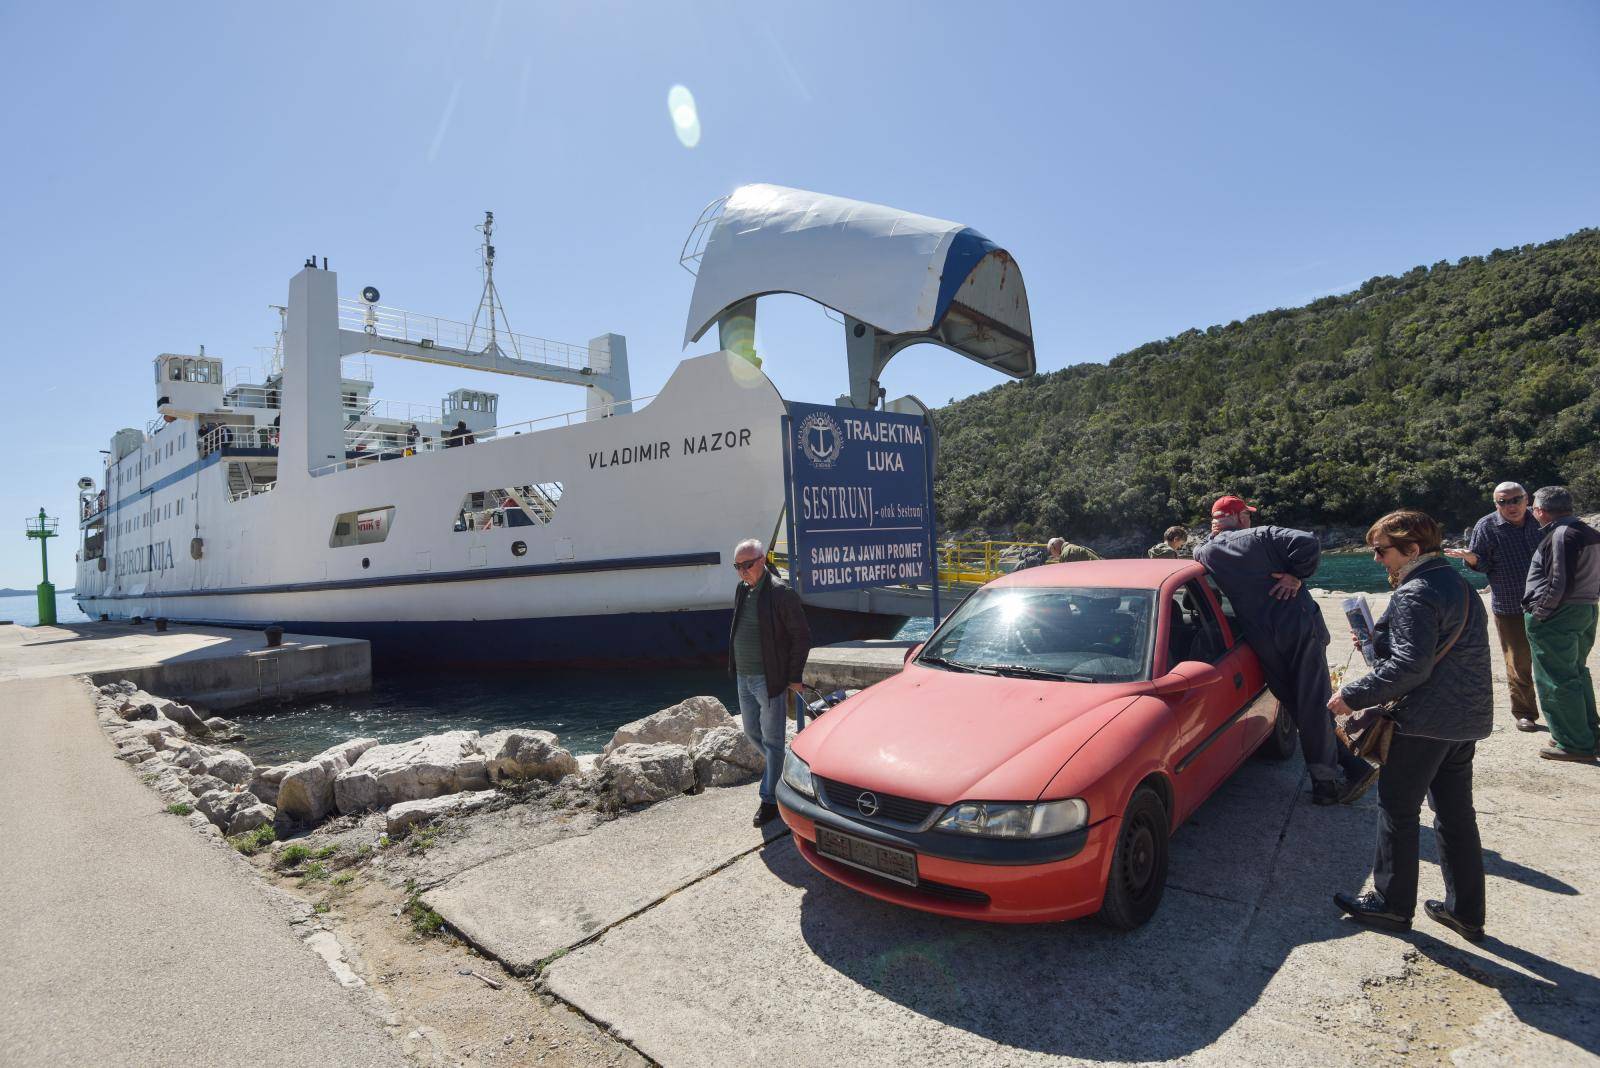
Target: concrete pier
(217,668)
(855,665)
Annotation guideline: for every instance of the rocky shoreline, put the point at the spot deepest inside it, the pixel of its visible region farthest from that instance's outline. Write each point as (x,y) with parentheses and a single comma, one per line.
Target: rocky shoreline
(185,758)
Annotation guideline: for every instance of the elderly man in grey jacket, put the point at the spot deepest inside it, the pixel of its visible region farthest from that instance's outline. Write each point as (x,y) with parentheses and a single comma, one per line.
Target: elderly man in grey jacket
(1561,603)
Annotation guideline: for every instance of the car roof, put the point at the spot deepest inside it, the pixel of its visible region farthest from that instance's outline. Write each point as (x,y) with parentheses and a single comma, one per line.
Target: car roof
(1127,574)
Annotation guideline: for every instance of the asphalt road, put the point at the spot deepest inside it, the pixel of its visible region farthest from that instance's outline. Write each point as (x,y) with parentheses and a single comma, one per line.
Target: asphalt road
(129,939)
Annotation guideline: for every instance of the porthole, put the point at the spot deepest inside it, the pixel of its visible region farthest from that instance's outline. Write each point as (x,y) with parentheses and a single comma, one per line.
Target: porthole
(365,562)
(519,548)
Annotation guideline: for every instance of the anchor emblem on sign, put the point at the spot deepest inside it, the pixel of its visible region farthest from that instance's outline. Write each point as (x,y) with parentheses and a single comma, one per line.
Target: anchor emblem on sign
(820,439)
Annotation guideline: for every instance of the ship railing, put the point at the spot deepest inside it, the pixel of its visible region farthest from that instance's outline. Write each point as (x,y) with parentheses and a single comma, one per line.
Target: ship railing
(215,436)
(253,397)
(398,324)
(399,412)
(388,445)
(255,489)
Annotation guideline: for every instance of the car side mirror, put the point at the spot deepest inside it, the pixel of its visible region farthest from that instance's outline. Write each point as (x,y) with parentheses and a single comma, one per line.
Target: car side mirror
(912,652)
(1189,675)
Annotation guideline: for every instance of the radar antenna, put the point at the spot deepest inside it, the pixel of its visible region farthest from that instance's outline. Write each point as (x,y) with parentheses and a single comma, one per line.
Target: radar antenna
(491,313)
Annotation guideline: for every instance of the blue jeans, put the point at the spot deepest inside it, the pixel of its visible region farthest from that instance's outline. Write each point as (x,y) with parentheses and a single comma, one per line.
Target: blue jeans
(764,720)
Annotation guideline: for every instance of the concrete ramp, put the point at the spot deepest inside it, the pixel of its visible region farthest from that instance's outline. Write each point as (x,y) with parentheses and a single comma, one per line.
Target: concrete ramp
(529,906)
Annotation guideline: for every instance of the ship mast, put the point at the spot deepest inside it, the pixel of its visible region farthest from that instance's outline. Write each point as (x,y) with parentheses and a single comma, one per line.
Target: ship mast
(490,309)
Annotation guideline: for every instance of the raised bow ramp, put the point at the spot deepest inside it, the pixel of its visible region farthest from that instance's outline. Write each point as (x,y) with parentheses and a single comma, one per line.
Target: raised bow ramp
(898,278)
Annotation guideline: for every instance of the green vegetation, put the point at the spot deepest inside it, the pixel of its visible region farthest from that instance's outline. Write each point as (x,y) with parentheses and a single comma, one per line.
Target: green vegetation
(344,878)
(180,808)
(325,852)
(315,872)
(252,842)
(291,855)
(1421,390)
(424,920)
(422,839)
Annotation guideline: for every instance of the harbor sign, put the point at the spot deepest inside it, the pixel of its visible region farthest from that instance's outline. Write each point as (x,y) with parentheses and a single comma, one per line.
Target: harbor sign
(860,490)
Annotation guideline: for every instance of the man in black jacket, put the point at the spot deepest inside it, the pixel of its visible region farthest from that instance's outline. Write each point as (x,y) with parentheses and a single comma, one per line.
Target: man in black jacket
(767,648)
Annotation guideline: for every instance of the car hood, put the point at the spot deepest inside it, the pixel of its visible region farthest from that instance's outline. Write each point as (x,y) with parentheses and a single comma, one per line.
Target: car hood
(946,736)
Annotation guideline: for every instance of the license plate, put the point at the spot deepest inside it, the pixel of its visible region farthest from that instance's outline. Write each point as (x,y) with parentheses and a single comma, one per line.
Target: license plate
(896,864)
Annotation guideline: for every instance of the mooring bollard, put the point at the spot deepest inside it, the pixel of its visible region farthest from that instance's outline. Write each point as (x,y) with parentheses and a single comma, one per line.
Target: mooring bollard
(161,624)
(274,637)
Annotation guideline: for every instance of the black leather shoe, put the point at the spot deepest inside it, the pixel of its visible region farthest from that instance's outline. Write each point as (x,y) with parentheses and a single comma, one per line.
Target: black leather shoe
(1326,792)
(1370,909)
(764,815)
(1354,788)
(1439,914)
(1525,724)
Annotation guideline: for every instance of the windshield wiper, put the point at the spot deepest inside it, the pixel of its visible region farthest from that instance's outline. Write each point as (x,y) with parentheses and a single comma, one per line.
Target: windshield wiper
(952,665)
(1017,671)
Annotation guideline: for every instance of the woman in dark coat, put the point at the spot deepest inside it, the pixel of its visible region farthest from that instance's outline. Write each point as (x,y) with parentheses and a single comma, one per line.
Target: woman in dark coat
(1444,706)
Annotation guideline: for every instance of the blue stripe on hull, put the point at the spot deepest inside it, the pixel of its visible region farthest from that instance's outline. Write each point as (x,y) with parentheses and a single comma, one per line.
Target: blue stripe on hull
(632,639)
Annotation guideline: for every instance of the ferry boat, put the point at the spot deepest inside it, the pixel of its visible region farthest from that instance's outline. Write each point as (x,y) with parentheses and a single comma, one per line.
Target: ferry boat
(597,536)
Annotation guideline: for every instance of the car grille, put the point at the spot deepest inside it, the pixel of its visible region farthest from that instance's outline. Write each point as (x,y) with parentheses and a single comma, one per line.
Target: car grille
(842,798)
(953,893)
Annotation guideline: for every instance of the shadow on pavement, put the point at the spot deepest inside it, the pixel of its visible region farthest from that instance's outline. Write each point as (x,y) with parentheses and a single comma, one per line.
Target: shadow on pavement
(1078,989)
(1556,999)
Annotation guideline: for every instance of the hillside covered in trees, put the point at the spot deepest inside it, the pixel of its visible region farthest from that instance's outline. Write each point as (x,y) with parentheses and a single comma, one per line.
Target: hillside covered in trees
(1423,390)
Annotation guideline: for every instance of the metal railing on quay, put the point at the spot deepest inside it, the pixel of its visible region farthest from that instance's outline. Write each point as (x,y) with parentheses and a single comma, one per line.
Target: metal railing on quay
(256,489)
(397,324)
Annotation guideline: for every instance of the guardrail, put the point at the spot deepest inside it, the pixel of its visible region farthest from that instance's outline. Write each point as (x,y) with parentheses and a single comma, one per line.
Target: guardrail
(238,435)
(397,324)
(401,447)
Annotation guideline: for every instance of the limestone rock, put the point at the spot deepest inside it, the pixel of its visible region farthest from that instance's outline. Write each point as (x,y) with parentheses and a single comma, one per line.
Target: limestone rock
(194,755)
(641,773)
(265,782)
(725,756)
(231,766)
(408,814)
(183,716)
(676,725)
(222,806)
(305,790)
(525,754)
(430,766)
(132,710)
(223,729)
(199,784)
(249,817)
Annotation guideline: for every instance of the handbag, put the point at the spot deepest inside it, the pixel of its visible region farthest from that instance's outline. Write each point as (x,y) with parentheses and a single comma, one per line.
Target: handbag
(1371,742)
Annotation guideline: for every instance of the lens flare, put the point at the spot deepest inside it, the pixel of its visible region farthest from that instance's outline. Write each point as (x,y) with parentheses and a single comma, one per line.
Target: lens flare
(685,116)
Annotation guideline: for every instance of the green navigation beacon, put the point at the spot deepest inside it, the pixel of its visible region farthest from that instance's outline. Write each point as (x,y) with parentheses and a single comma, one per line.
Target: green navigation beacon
(44,528)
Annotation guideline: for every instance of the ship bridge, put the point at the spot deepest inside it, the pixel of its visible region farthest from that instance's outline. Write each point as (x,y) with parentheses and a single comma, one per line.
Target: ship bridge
(897,279)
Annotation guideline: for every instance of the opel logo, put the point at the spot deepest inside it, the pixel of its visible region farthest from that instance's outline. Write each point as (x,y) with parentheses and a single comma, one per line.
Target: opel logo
(867,803)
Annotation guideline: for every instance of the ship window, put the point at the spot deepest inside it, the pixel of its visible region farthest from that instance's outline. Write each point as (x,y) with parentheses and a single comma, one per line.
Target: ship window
(532,504)
(366,527)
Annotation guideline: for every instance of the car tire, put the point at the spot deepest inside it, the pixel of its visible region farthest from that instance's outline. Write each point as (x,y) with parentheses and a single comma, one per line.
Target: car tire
(1284,740)
(1138,874)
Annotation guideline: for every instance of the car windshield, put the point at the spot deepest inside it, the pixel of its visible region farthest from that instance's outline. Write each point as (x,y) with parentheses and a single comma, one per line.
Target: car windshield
(1078,634)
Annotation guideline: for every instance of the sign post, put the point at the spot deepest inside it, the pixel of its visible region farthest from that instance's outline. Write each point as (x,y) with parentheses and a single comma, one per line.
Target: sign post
(860,506)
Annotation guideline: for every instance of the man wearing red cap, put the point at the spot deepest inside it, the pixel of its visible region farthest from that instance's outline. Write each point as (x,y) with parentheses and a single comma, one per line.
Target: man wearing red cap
(1263,571)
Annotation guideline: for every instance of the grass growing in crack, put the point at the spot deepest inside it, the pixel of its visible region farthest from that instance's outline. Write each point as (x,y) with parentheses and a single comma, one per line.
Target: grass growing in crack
(424,920)
(180,808)
(321,907)
(363,852)
(316,872)
(325,852)
(252,842)
(423,840)
(343,878)
(291,855)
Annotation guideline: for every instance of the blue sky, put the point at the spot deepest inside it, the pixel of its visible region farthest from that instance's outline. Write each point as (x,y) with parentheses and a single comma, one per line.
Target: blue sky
(1152,166)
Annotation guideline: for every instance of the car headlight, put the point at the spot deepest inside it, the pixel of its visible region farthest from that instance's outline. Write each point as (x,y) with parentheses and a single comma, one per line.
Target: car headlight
(1006,820)
(797,773)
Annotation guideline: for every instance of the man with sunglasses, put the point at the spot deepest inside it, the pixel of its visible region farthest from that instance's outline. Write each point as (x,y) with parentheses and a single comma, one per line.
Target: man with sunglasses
(1263,572)
(767,649)
(1501,546)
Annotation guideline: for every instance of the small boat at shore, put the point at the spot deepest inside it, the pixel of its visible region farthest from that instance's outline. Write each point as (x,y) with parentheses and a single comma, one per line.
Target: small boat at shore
(596,536)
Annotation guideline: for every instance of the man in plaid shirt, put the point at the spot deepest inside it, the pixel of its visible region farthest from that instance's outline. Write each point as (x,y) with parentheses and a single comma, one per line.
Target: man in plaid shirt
(1501,547)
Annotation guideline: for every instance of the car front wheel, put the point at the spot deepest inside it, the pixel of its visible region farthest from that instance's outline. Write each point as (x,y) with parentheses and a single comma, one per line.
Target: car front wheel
(1284,741)
(1139,866)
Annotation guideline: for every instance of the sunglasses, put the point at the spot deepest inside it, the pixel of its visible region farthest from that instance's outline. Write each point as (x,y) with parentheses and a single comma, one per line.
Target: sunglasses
(742,565)
(1379,550)
(1501,502)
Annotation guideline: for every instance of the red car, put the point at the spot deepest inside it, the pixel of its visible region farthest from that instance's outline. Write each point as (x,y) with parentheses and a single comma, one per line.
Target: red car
(1037,752)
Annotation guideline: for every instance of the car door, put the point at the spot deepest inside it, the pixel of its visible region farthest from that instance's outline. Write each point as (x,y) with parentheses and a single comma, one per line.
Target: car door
(1259,717)
(1209,745)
